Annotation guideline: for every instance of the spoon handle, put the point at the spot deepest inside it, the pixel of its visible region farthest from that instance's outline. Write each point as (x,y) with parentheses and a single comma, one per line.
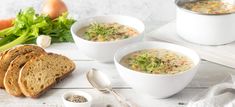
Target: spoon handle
(122,100)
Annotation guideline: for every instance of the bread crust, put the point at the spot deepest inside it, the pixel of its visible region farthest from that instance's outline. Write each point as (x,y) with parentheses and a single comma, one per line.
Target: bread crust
(12,74)
(41,59)
(11,54)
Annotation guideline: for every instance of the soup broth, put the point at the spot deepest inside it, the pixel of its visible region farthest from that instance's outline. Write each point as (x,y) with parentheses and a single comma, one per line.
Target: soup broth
(101,32)
(157,61)
(210,7)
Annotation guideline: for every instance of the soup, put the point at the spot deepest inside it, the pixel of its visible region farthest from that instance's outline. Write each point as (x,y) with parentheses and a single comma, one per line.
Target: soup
(101,32)
(210,7)
(157,61)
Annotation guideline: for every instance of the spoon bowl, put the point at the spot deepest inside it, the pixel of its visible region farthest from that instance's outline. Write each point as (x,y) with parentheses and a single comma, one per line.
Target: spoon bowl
(99,80)
(102,83)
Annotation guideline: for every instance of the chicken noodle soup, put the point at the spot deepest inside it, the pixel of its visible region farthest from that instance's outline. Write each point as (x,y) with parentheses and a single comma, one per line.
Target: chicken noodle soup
(101,32)
(210,7)
(157,61)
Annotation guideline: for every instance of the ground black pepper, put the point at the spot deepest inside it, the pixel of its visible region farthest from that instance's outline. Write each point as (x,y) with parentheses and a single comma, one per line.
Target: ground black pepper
(76,99)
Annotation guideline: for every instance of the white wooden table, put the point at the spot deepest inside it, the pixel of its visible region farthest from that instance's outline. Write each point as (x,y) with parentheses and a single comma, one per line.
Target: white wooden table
(208,75)
(154,13)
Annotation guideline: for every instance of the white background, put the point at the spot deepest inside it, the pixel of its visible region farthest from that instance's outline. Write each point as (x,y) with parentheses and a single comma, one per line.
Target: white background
(153,12)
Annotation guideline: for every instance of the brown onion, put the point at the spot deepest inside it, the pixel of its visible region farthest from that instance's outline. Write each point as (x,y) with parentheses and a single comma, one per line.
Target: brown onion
(54,8)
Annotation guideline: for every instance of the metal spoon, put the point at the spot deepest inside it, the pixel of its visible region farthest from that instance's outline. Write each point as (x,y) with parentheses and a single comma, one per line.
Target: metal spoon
(101,82)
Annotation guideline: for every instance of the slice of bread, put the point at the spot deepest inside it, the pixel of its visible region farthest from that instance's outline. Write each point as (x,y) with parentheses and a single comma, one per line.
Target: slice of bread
(11,55)
(2,54)
(41,73)
(12,74)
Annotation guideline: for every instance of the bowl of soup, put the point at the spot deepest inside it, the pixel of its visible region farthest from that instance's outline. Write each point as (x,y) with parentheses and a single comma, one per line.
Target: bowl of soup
(157,69)
(206,22)
(99,37)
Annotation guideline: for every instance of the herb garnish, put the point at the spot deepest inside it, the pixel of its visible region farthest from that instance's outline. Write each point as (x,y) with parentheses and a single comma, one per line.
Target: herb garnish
(147,62)
(100,30)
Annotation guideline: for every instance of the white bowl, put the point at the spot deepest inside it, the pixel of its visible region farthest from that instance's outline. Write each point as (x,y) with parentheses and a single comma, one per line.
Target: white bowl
(205,29)
(72,104)
(156,85)
(104,51)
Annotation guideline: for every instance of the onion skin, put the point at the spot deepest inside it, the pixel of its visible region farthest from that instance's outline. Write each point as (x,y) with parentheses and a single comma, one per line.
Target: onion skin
(54,8)
(6,23)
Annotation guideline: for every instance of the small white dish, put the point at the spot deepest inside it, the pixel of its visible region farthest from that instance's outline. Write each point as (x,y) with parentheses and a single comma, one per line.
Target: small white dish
(157,85)
(104,51)
(74,104)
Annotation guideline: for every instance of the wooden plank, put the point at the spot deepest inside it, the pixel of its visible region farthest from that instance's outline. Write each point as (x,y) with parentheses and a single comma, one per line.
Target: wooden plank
(68,49)
(53,99)
(208,75)
(78,78)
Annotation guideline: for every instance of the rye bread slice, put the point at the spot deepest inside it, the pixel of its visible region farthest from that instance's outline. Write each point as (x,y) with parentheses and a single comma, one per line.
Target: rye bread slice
(41,73)
(12,74)
(2,54)
(11,55)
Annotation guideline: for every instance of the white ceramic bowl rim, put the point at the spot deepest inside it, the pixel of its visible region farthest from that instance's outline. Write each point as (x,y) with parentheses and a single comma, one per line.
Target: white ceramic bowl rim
(153,42)
(199,13)
(74,31)
(81,93)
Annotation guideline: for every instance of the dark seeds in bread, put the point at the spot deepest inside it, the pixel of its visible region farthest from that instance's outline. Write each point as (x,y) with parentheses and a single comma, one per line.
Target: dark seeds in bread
(11,55)
(12,74)
(41,73)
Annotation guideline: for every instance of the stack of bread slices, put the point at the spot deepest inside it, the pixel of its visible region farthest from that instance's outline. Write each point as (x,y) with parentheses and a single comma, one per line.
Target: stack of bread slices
(27,70)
